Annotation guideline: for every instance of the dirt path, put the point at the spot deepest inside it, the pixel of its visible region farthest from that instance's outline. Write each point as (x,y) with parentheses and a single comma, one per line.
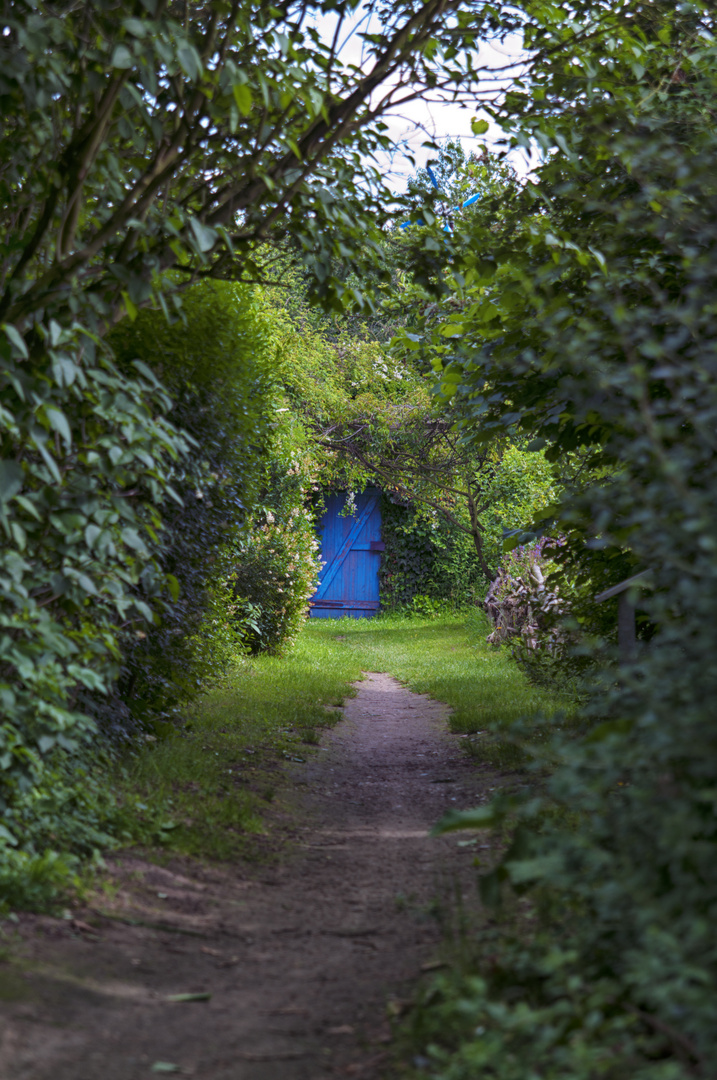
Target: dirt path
(303,961)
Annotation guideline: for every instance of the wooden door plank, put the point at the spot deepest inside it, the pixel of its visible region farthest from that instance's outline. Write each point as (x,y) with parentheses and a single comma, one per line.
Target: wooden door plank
(330,571)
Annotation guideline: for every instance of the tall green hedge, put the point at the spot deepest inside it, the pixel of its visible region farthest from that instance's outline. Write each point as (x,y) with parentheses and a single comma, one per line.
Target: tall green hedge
(594,326)
(215,362)
(85,456)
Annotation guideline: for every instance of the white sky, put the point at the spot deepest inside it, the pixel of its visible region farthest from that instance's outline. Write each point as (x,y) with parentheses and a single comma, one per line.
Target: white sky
(418,121)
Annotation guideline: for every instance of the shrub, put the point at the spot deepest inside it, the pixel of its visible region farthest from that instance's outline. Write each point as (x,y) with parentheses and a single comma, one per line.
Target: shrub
(430,555)
(85,453)
(596,327)
(273,569)
(425,557)
(215,364)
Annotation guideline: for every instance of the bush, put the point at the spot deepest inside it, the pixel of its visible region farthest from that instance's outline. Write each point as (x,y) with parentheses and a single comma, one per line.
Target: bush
(215,364)
(542,603)
(595,328)
(426,554)
(85,453)
(112,616)
(274,569)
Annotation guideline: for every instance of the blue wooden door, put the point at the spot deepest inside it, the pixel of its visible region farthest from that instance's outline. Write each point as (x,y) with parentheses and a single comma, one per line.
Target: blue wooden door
(350,549)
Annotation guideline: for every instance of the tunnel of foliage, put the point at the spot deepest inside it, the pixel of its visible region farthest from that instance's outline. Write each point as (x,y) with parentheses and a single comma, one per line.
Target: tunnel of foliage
(569,323)
(135,162)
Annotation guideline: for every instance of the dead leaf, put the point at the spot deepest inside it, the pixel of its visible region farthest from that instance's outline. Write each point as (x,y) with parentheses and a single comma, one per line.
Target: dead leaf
(363,1066)
(210,952)
(78,924)
(398,1006)
(433,965)
(342,1029)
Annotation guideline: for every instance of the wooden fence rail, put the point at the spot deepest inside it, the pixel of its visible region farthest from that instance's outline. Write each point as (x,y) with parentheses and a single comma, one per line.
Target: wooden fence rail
(626,592)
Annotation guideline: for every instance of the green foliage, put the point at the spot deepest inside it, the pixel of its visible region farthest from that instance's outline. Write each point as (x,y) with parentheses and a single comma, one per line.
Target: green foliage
(273,570)
(215,364)
(430,553)
(86,455)
(460,176)
(34,882)
(137,142)
(142,150)
(592,328)
(425,560)
(62,825)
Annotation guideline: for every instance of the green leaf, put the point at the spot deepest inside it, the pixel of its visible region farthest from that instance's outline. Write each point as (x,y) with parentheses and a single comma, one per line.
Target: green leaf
(64,370)
(87,584)
(122,58)
(19,535)
(243,98)
(205,236)
(486,313)
(188,997)
(135,27)
(482,817)
(133,540)
(91,534)
(58,422)
(147,372)
(7,836)
(15,339)
(479,127)
(11,478)
(173,586)
(130,306)
(28,506)
(190,62)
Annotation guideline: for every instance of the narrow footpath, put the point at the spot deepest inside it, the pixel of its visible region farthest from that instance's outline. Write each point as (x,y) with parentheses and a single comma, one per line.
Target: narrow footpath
(291,972)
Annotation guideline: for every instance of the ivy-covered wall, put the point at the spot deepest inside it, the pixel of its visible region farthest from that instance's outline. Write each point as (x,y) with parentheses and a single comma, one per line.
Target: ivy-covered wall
(425,557)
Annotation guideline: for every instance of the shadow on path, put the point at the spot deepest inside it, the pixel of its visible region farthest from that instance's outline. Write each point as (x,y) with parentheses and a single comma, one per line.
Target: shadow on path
(303,961)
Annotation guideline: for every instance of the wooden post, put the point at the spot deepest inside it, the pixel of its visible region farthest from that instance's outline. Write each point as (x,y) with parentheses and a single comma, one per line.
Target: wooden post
(626,633)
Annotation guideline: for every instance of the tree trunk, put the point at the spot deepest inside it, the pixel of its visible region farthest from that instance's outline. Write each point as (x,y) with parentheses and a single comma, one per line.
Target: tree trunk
(476,531)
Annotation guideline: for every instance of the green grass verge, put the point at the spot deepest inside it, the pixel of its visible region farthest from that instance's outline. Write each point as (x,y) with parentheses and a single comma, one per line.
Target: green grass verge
(215,780)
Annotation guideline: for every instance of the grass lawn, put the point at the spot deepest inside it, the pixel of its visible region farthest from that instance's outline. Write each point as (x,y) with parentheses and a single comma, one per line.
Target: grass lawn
(216,778)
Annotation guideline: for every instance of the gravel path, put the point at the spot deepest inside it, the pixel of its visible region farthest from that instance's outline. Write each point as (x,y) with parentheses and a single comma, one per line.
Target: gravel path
(304,962)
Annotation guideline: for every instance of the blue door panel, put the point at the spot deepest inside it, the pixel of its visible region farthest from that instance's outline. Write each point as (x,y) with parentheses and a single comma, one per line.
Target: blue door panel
(350,550)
